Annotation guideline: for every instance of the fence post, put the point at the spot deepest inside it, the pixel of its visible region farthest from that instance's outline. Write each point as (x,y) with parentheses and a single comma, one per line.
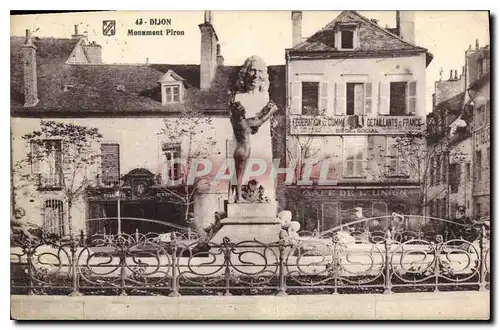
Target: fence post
(227,248)
(336,262)
(482,266)
(281,280)
(29,255)
(175,289)
(387,275)
(439,244)
(123,261)
(74,262)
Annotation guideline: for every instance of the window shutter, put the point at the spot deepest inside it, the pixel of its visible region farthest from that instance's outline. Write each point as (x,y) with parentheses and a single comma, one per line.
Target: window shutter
(383,98)
(368,98)
(340,99)
(323,98)
(110,163)
(35,160)
(295,88)
(412,97)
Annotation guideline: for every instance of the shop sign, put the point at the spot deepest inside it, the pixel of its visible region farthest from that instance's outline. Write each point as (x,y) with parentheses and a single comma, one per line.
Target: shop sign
(342,125)
(362,193)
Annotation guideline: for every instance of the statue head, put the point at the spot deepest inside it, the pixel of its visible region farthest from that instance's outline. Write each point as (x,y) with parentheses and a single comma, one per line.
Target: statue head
(285,217)
(253,75)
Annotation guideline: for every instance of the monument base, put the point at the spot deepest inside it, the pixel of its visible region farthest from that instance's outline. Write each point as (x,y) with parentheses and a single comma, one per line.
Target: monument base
(249,222)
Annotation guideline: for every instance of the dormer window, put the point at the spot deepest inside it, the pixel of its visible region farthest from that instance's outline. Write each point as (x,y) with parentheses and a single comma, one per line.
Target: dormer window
(172,94)
(346,37)
(172,88)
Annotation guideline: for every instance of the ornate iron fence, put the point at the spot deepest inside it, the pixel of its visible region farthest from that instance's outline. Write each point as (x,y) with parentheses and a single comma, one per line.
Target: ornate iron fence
(328,262)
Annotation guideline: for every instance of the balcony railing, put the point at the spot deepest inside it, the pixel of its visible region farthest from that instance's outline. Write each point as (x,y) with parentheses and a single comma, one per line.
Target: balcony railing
(50,180)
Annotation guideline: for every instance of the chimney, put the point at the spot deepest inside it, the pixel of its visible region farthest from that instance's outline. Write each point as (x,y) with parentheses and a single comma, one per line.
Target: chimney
(451,75)
(208,62)
(76,35)
(220,58)
(296,28)
(398,22)
(29,68)
(94,52)
(456,76)
(406,25)
(477,44)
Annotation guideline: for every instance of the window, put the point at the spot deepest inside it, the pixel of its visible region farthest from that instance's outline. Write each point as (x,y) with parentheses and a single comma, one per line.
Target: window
(444,173)
(481,116)
(310,98)
(431,209)
(172,94)
(53,217)
(312,149)
(172,152)
(467,172)
(477,210)
(355,99)
(396,164)
(487,113)
(402,98)
(488,158)
(347,39)
(46,157)
(110,163)
(431,170)
(437,176)
(478,164)
(444,206)
(354,156)
(454,177)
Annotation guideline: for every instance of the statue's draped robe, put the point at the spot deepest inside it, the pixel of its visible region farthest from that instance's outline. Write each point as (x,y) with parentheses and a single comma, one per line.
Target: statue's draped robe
(260,142)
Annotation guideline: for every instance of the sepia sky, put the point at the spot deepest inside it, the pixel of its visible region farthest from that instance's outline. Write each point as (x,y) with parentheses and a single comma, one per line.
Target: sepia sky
(446,34)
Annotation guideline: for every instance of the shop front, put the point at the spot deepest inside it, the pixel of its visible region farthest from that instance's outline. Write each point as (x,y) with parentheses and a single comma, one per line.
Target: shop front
(139,204)
(323,208)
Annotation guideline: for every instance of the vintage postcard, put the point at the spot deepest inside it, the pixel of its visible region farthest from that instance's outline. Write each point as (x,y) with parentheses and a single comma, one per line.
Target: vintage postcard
(250,165)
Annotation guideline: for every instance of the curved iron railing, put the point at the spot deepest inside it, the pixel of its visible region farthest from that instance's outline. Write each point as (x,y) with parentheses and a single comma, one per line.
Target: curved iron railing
(324,263)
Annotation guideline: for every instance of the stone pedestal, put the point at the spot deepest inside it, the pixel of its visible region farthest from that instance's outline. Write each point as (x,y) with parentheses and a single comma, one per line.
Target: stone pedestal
(250,221)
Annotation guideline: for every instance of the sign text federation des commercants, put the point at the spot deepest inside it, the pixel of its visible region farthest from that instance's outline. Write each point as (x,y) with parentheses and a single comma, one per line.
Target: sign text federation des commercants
(331,125)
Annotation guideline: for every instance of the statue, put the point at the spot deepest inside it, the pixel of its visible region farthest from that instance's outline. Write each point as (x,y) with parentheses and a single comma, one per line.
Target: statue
(289,228)
(19,226)
(250,111)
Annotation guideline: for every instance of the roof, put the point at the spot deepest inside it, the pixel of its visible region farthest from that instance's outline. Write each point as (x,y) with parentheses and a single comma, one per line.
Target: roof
(453,104)
(373,41)
(91,89)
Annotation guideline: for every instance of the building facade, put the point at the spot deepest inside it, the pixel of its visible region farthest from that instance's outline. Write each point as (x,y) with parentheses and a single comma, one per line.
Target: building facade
(148,115)
(458,140)
(479,92)
(353,89)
